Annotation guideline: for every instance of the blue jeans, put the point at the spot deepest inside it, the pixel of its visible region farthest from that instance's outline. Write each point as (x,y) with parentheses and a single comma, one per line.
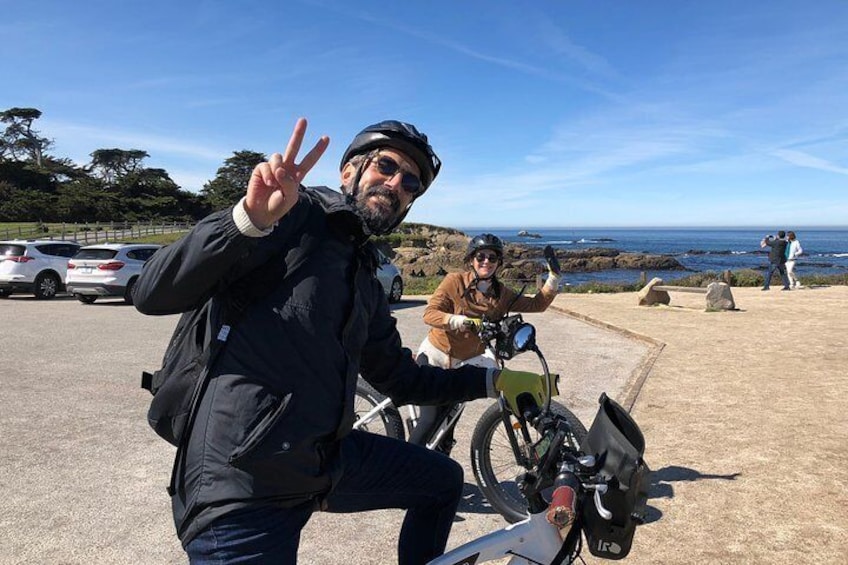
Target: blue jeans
(779,267)
(379,473)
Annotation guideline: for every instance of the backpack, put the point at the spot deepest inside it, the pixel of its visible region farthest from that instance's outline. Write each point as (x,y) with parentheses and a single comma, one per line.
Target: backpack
(174,386)
(179,384)
(618,446)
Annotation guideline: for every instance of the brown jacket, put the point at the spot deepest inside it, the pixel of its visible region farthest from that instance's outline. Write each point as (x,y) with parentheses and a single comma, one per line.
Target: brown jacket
(449,299)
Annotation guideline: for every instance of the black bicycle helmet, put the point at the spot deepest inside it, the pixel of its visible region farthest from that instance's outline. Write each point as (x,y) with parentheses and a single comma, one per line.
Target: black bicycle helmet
(401,136)
(484,241)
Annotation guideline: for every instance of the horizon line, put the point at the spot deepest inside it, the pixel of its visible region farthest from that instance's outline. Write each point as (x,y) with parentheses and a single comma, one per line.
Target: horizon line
(717,227)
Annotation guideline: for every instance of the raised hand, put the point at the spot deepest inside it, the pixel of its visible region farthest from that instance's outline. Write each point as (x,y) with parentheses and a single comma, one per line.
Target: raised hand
(273,187)
(552,261)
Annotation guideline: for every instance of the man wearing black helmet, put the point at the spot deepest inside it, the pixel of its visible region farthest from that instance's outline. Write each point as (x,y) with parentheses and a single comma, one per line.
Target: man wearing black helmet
(270,441)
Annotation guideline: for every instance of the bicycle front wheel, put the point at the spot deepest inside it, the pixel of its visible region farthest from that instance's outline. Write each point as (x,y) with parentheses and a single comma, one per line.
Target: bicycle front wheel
(385,422)
(493,461)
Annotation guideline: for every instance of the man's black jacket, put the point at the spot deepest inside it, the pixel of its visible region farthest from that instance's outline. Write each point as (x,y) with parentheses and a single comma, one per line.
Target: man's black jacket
(281,393)
(777,251)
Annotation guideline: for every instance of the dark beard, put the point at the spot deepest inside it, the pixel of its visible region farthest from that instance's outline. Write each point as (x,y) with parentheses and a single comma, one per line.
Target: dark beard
(379,218)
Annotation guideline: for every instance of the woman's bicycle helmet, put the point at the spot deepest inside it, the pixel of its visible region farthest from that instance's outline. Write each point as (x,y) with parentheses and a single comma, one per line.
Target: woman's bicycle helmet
(401,136)
(484,241)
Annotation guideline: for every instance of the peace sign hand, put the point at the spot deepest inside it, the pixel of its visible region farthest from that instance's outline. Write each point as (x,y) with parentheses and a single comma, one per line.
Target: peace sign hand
(273,187)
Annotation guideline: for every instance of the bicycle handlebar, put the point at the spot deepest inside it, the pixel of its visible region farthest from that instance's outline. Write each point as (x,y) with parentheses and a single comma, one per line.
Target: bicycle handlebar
(575,474)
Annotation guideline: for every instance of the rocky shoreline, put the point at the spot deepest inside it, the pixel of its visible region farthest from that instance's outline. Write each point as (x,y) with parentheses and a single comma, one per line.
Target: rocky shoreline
(422,250)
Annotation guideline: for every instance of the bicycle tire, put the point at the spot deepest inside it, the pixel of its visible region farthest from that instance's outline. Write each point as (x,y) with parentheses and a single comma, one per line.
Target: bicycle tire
(389,422)
(494,465)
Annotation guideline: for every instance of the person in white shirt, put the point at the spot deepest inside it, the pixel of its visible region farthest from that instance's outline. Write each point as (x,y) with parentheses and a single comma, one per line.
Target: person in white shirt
(793,250)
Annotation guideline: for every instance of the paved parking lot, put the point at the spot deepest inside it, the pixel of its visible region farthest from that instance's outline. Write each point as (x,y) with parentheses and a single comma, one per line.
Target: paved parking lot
(83,477)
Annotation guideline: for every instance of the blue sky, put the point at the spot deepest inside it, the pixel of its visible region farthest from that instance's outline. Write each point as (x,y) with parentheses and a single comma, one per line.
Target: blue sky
(545,113)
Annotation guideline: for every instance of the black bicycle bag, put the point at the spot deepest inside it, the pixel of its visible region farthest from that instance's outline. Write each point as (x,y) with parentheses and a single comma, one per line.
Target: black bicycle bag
(618,446)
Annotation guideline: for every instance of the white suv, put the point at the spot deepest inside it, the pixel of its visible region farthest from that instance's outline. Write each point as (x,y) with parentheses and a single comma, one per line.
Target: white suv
(107,269)
(34,266)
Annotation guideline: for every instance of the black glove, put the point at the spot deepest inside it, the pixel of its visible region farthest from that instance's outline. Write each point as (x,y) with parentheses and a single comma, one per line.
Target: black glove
(553,262)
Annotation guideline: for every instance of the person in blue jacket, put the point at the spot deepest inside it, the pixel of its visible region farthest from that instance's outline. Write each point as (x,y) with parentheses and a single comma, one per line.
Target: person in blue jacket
(272,441)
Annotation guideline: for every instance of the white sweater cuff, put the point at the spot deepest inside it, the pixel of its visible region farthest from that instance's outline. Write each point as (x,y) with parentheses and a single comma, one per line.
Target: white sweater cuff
(243,223)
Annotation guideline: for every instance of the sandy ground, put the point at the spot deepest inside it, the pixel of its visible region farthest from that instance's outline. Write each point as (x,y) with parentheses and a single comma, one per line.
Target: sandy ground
(743,413)
(745,419)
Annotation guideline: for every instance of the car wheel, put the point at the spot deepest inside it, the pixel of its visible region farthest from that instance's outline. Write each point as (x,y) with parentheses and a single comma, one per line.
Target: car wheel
(5,293)
(128,297)
(86,298)
(46,286)
(397,290)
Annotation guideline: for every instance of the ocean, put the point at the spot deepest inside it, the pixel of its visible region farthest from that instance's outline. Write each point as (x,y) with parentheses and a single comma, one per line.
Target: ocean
(697,249)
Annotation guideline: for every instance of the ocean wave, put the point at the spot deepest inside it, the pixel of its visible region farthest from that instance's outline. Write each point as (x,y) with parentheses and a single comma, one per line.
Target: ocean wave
(596,240)
(706,252)
(840,255)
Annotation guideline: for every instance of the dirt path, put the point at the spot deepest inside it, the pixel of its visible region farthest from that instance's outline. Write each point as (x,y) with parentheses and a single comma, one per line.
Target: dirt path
(745,419)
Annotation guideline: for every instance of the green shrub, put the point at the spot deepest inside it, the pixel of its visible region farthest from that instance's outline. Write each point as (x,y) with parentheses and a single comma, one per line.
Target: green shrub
(394,240)
(599,287)
(421,285)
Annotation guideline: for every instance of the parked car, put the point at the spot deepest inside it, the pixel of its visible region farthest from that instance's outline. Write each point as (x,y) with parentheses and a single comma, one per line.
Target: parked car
(34,266)
(107,269)
(390,277)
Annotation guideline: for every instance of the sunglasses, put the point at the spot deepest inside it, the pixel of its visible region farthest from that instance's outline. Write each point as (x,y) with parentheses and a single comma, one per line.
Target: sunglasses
(492,258)
(410,182)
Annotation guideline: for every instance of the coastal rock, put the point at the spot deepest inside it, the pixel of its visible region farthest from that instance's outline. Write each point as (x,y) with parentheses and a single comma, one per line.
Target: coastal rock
(525,233)
(648,262)
(426,250)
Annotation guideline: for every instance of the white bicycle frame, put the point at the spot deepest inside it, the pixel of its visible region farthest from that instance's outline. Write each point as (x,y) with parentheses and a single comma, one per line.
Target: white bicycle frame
(531,541)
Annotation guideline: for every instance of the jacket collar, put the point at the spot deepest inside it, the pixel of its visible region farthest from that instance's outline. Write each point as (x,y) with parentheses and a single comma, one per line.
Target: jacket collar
(340,213)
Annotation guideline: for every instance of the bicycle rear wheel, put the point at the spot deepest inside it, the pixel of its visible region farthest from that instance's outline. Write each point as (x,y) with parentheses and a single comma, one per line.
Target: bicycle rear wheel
(493,461)
(386,422)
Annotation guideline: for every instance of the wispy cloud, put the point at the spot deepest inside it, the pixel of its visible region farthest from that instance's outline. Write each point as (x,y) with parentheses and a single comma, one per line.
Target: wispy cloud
(98,137)
(561,44)
(801,159)
(582,56)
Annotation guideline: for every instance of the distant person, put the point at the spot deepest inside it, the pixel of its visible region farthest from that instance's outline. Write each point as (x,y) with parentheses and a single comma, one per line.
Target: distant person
(456,308)
(793,250)
(777,258)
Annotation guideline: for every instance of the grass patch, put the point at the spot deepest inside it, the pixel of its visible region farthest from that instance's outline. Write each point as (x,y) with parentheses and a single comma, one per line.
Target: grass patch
(751,278)
(161,238)
(600,288)
(421,285)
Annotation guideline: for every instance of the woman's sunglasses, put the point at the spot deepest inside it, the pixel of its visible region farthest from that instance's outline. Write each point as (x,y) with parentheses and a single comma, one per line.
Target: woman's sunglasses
(388,167)
(487,257)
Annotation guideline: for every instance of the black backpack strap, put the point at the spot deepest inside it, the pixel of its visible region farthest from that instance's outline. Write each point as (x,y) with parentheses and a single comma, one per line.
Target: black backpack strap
(210,355)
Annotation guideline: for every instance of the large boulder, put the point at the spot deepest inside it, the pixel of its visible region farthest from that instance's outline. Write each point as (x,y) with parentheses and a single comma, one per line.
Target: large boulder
(719,297)
(648,296)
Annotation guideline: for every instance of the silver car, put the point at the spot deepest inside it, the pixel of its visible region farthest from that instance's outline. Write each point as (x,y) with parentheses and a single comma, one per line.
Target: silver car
(107,269)
(390,277)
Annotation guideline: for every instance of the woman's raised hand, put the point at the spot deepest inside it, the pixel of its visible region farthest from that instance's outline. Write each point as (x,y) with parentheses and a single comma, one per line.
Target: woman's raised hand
(273,187)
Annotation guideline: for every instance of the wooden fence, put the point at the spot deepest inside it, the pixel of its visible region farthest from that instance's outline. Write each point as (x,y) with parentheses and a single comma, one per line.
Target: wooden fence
(86,233)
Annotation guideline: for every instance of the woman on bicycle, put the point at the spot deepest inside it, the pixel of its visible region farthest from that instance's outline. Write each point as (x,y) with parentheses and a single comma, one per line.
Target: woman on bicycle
(456,308)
